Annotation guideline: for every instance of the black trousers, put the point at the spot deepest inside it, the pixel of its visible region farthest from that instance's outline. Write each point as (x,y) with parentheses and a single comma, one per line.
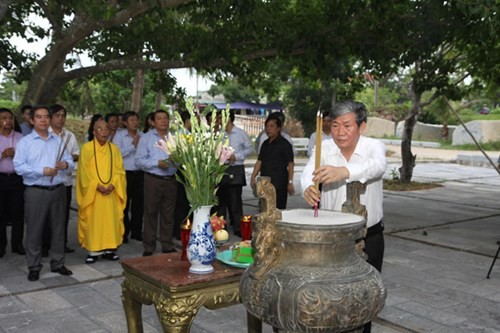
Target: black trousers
(11,208)
(135,204)
(374,248)
(230,201)
(181,210)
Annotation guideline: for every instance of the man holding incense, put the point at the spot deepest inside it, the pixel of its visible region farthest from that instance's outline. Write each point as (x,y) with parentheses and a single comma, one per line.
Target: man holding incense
(349,157)
(43,163)
(101,195)
(57,122)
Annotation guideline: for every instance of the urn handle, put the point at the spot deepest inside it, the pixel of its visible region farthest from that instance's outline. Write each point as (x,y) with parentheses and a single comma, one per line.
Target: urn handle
(353,205)
(267,242)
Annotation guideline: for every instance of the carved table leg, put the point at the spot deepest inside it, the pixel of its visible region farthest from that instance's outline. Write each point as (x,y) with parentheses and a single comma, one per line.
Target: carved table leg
(254,324)
(177,314)
(133,312)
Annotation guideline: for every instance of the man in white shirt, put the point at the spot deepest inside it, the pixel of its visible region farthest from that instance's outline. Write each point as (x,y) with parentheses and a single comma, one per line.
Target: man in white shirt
(57,123)
(326,135)
(350,157)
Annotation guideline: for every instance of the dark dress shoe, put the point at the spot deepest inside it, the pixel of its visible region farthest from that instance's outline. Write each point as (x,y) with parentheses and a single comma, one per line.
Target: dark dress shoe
(110,256)
(147,253)
(169,250)
(62,270)
(33,275)
(68,250)
(2,253)
(45,253)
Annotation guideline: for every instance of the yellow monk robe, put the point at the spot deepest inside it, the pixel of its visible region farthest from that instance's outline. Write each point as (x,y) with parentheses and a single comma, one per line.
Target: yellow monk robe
(100,217)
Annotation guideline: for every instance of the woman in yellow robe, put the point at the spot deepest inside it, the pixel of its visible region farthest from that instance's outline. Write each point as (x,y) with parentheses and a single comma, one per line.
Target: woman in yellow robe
(101,196)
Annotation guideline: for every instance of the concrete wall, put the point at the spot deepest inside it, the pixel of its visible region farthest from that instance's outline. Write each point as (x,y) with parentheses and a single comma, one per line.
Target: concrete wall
(483,131)
(379,128)
(425,132)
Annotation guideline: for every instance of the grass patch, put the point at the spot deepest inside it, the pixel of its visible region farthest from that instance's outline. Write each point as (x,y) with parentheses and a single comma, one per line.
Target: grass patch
(491,146)
(397,185)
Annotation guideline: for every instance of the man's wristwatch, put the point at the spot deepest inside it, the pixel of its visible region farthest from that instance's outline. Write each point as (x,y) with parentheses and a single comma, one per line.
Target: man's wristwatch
(290,182)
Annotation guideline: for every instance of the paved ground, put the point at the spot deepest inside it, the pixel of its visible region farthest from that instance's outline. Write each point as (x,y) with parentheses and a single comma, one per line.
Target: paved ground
(439,246)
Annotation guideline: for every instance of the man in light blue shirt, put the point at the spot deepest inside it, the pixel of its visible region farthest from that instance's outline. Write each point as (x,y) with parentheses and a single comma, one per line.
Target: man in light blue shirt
(43,161)
(127,141)
(231,187)
(160,186)
(25,125)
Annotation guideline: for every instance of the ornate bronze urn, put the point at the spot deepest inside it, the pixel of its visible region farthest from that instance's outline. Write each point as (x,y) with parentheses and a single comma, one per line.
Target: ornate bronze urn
(307,275)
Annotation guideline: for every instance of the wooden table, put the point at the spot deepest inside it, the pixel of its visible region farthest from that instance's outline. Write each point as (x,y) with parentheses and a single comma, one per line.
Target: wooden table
(164,280)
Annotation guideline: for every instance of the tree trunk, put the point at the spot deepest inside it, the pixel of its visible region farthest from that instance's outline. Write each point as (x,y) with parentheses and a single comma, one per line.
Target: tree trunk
(137,90)
(42,86)
(408,159)
(159,96)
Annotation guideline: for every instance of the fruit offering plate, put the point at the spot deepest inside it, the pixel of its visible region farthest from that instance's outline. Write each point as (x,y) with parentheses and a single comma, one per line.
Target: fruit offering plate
(227,258)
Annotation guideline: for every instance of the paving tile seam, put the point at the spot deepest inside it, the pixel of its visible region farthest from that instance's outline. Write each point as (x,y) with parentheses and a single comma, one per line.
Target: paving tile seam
(448,247)
(393,325)
(406,194)
(434,226)
(77,283)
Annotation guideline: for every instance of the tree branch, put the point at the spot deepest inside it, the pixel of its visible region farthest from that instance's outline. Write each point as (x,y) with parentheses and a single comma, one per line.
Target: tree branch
(4,7)
(134,63)
(118,64)
(56,28)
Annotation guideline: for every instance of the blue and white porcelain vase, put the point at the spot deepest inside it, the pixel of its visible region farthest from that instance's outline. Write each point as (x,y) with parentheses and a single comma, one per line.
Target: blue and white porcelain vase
(201,247)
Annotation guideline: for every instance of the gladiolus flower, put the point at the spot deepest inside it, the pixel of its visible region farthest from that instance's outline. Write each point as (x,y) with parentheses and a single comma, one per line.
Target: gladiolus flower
(171,144)
(225,154)
(163,145)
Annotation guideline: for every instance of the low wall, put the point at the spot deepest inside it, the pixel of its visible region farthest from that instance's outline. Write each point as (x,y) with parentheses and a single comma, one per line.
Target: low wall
(482,130)
(379,128)
(425,132)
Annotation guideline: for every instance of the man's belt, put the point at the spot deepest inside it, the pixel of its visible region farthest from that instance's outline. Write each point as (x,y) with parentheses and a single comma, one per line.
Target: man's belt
(47,188)
(160,177)
(133,171)
(8,174)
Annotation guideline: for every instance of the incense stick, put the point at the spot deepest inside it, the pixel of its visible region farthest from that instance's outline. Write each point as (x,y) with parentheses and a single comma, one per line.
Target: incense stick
(60,152)
(317,158)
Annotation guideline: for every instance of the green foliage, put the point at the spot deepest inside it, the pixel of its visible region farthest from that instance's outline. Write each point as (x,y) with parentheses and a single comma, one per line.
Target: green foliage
(392,103)
(473,114)
(305,97)
(233,91)
(8,104)
(489,146)
(9,88)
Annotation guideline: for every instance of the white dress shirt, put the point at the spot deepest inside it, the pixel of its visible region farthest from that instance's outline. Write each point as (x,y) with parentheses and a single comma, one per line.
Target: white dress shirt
(367,165)
(312,141)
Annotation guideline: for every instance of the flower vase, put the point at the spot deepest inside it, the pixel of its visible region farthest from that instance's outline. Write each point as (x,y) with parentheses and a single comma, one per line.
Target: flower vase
(201,247)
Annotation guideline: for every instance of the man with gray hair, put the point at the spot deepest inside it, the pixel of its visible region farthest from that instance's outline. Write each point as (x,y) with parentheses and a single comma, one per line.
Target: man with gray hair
(349,157)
